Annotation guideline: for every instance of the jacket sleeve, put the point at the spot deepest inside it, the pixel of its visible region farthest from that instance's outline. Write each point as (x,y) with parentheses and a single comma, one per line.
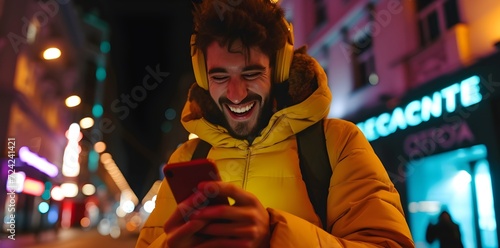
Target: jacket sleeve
(364,207)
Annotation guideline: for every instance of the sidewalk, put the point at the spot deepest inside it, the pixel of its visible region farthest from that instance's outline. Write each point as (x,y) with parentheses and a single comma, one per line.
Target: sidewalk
(74,238)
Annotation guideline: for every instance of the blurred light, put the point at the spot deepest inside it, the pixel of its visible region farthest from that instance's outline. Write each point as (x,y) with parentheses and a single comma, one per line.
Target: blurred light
(31,33)
(106,158)
(93,161)
(462,179)
(100,147)
(57,193)
(51,53)
(53,215)
(114,232)
(46,195)
(100,73)
(130,226)
(43,207)
(16,182)
(120,212)
(66,214)
(73,101)
(88,189)
(192,136)
(71,164)
(85,222)
(73,133)
(128,206)
(373,79)
(37,162)
(166,126)
(149,206)
(97,110)
(69,189)
(103,227)
(105,47)
(33,187)
(86,122)
(170,114)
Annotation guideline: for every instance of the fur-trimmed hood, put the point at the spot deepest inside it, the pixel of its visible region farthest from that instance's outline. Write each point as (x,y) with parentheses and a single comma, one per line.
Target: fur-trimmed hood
(304,98)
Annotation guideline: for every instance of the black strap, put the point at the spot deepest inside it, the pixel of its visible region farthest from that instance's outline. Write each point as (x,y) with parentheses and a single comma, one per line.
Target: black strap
(314,165)
(201,150)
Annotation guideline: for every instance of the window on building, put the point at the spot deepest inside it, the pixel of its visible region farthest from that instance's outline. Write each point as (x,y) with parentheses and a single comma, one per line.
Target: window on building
(363,60)
(320,11)
(435,17)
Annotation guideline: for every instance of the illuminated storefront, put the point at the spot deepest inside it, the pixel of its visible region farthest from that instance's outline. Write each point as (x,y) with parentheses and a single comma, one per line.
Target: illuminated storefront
(441,147)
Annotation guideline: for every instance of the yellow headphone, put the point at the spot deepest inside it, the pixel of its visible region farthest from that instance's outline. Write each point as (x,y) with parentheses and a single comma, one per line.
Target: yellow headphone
(284,58)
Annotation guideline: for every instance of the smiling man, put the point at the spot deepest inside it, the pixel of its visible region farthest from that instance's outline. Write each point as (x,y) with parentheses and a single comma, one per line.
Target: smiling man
(241,85)
(253,94)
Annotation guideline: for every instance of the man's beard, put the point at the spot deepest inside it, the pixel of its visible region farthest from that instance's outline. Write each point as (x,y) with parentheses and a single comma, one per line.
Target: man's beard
(239,131)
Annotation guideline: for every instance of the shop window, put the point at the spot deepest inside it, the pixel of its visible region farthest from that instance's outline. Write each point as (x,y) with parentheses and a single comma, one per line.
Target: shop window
(435,17)
(320,11)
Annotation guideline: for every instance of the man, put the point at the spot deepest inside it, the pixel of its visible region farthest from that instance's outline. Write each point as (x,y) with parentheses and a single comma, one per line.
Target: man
(249,103)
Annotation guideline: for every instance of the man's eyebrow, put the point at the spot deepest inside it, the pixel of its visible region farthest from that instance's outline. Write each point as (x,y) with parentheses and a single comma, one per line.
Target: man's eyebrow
(246,68)
(216,70)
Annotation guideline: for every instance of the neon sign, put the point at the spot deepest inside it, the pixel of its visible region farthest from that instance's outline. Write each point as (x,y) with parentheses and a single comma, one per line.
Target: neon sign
(422,110)
(37,162)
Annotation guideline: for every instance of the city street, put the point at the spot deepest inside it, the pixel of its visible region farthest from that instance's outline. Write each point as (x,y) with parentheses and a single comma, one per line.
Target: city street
(69,238)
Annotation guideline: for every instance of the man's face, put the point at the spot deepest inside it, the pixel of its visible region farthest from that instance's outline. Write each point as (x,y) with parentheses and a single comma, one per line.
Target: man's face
(240,84)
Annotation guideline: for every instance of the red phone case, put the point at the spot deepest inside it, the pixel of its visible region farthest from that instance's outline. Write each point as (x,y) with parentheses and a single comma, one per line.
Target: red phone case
(184,177)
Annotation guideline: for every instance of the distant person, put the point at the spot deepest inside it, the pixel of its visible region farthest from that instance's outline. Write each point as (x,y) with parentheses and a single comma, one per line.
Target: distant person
(249,102)
(446,231)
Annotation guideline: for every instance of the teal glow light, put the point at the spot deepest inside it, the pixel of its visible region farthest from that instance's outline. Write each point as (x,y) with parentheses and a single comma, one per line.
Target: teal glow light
(43,207)
(97,110)
(170,114)
(93,161)
(105,47)
(100,73)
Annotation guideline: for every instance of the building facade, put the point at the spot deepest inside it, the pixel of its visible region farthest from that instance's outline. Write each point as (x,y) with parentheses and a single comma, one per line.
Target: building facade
(50,173)
(421,80)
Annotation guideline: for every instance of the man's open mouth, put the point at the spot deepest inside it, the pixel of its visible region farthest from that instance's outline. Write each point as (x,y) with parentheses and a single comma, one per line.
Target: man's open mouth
(241,111)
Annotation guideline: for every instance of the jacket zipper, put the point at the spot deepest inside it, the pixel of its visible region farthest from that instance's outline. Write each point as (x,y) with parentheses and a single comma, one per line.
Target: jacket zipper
(247,165)
(249,153)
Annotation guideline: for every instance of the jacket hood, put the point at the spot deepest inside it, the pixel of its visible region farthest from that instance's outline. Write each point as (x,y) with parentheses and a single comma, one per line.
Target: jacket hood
(299,102)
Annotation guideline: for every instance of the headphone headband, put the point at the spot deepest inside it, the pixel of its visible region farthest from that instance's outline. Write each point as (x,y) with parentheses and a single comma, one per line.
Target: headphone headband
(281,72)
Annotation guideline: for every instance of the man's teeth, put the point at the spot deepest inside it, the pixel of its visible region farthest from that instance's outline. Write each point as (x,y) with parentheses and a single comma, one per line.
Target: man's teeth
(240,110)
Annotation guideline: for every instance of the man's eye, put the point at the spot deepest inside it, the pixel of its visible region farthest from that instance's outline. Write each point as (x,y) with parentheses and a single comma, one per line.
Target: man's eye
(251,76)
(219,79)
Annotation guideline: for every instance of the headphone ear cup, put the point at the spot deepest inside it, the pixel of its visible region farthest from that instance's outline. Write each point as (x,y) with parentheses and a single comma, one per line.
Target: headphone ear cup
(284,57)
(199,65)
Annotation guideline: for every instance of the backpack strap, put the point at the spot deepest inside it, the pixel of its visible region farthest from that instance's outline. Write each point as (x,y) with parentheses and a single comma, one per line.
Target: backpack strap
(201,150)
(315,167)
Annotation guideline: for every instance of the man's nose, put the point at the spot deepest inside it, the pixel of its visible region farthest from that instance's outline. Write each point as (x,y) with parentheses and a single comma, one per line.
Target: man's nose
(236,90)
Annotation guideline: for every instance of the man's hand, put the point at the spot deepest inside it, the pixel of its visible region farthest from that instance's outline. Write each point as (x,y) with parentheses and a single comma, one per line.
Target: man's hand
(182,232)
(244,224)
(196,224)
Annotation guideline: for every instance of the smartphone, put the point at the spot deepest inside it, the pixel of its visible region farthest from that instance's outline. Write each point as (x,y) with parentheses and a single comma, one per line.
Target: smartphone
(184,177)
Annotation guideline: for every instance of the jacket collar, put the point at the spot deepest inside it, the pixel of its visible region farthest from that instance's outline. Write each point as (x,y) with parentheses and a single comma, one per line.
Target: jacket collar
(304,99)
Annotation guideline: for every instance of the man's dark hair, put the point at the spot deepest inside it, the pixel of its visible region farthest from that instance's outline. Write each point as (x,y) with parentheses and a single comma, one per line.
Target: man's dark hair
(253,22)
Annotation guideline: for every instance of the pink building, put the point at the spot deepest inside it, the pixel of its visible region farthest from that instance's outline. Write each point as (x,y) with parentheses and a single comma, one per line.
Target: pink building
(420,78)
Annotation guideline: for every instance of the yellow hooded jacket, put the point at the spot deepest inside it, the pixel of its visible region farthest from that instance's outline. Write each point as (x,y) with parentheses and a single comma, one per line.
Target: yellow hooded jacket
(364,208)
